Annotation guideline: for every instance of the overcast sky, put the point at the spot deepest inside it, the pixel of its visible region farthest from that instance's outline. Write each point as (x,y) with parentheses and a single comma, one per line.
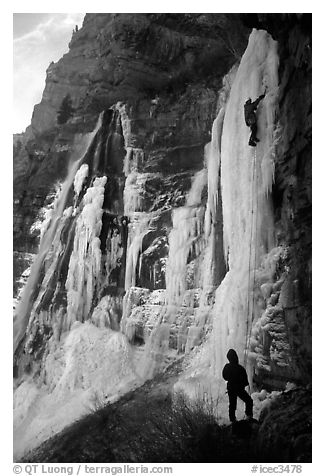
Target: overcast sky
(39,38)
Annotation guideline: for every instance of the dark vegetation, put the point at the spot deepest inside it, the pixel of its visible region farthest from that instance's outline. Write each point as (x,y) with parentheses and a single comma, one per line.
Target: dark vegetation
(66,110)
(146,426)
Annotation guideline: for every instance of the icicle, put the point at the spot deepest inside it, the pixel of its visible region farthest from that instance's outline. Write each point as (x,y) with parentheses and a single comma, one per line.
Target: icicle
(138,229)
(187,229)
(80,177)
(85,261)
(134,192)
(212,155)
(106,313)
(114,253)
(134,159)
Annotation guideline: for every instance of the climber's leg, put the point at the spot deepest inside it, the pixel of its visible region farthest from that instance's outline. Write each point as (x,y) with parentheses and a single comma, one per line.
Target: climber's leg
(232,405)
(251,139)
(243,395)
(254,132)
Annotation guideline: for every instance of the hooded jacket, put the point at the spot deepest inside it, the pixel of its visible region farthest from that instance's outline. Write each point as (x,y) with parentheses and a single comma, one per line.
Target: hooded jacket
(234,373)
(249,110)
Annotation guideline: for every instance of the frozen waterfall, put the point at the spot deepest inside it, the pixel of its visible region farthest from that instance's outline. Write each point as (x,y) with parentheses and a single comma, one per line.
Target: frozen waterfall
(246,176)
(217,243)
(237,218)
(246,180)
(58,216)
(67,326)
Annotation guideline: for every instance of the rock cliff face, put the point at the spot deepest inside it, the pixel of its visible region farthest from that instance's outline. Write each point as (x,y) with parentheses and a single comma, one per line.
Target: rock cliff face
(138,252)
(167,68)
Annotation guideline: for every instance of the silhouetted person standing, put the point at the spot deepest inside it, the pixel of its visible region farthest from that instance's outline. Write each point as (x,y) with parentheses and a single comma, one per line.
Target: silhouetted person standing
(236,376)
(250,118)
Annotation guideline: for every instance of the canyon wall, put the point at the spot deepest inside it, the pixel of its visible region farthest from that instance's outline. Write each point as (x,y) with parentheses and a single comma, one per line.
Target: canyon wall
(158,232)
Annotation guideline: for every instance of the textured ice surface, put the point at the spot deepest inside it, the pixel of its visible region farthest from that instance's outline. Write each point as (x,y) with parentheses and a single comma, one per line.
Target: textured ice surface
(88,364)
(45,214)
(246,180)
(80,177)
(184,238)
(85,261)
(138,229)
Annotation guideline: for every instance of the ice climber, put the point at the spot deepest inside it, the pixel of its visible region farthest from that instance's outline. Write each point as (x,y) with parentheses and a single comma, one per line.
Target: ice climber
(236,376)
(250,118)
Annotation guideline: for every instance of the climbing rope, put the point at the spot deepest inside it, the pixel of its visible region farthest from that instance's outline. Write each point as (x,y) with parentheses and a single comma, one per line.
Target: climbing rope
(250,309)
(255,254)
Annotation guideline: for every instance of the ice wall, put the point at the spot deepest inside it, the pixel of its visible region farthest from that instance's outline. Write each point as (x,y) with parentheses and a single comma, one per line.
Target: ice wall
(246,180)
(246,175)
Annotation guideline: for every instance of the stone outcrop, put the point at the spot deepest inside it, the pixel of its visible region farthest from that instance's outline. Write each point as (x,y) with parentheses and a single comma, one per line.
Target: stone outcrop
(286,428)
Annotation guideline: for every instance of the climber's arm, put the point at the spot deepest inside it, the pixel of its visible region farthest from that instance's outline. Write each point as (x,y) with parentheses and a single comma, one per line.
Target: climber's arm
(257,101)
(226,372)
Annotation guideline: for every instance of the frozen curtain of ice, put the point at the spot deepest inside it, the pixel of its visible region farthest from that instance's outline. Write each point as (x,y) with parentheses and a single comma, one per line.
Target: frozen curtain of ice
(246,179)
(244,176)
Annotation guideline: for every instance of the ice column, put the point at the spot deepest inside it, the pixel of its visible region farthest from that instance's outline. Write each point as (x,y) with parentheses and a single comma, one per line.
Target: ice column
(246,180)
(184,238)
(85,261)
(138,229)
(79,179)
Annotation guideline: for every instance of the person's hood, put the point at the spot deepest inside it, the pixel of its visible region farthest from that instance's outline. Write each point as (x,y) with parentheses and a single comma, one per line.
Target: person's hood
(232,356)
